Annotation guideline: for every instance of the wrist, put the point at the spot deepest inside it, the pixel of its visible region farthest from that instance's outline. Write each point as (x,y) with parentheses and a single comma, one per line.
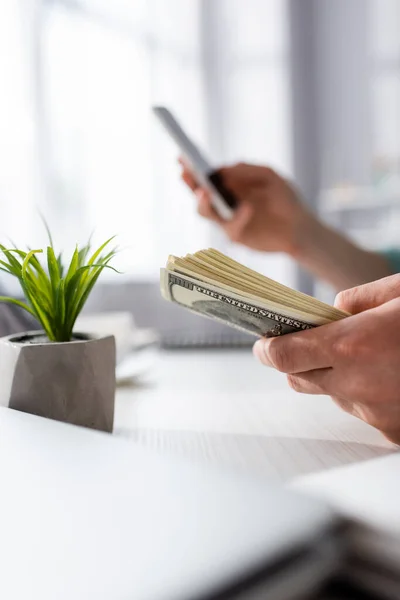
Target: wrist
(330,256)
(308,236)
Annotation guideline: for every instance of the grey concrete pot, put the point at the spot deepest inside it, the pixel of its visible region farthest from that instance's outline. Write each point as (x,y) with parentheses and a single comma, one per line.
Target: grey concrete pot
(72,381)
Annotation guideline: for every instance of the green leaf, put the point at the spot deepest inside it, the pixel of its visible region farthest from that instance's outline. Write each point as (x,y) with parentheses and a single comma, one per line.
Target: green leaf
(60,307)
(111,254)
(6,267)
(34,263)
(35,286)
(83,255)
(18,303)
(60,264)
(88,286)
(42,315)
(54,270)
(96,255)
(42,278)
(73,287)
(79,288)
(27,260)
(84,296)
(14,263)
(75,280)
(47,230)
(74,265)
(100,250)
(20,253)
(26,279)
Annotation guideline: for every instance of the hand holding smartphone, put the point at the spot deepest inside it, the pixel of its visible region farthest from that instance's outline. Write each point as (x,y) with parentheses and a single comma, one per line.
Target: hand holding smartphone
(223,201)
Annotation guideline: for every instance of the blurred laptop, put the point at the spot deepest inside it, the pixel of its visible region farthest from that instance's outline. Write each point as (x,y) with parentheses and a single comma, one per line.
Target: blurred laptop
(177,328)
(149,526)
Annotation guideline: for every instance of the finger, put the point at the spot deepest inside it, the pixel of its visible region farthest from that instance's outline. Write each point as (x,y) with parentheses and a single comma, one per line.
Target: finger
(329,382)
(204,207)
(243,174)
(312,382)
(370,295)
(184,163)
(190,181)
(322,382)
(347,405)
(300,352)
(393,436)
(187,175)
(241,218)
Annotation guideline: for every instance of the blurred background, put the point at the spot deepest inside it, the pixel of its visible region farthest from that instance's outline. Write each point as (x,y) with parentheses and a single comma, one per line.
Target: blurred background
(310,87)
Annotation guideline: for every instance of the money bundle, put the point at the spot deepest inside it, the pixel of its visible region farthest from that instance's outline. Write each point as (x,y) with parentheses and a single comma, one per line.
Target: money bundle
(216,286)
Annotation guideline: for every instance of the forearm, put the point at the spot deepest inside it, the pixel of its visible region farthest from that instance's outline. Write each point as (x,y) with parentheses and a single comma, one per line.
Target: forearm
(332,257)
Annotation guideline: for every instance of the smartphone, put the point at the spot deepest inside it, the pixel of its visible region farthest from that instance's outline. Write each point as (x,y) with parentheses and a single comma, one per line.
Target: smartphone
(223,201)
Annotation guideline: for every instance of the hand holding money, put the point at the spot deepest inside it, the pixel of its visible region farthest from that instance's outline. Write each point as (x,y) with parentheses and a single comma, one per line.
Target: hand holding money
(355,360)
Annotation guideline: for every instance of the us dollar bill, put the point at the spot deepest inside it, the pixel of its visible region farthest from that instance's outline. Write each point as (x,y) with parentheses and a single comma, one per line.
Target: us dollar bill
(232,309)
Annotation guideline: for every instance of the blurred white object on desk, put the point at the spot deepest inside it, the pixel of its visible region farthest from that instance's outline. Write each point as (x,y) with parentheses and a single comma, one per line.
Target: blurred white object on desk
(118,324)
(121,325)
(137,364)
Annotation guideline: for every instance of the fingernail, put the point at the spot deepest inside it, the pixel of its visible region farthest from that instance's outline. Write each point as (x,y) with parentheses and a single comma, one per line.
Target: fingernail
(261,351)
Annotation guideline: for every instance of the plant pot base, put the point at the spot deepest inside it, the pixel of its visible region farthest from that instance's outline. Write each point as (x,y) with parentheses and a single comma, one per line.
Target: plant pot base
(73,382)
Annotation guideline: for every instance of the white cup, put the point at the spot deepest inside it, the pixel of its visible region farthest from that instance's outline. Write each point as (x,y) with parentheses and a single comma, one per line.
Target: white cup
(119,324)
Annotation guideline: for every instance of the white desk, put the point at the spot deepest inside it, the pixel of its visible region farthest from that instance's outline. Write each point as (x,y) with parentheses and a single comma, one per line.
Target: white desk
(225,408)
(69,528)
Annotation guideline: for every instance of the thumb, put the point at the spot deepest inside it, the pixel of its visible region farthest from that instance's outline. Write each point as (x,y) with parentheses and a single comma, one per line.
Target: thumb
(240,220)
(370,295)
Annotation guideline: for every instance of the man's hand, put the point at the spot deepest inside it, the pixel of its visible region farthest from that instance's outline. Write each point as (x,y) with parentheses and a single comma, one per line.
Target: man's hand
(356,360)
(270,217)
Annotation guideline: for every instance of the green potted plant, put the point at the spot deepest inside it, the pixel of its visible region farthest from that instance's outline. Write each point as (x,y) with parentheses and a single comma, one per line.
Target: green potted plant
(56,372)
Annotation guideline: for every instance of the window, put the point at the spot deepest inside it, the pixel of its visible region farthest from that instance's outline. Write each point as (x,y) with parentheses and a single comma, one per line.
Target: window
(78,138)
(19,180)
(112,168)
(385,87)
(254,89)
(78,141)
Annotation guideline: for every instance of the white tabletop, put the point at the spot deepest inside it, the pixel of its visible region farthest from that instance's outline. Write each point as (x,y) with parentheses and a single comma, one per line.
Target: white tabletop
(225,408)
(213,407)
